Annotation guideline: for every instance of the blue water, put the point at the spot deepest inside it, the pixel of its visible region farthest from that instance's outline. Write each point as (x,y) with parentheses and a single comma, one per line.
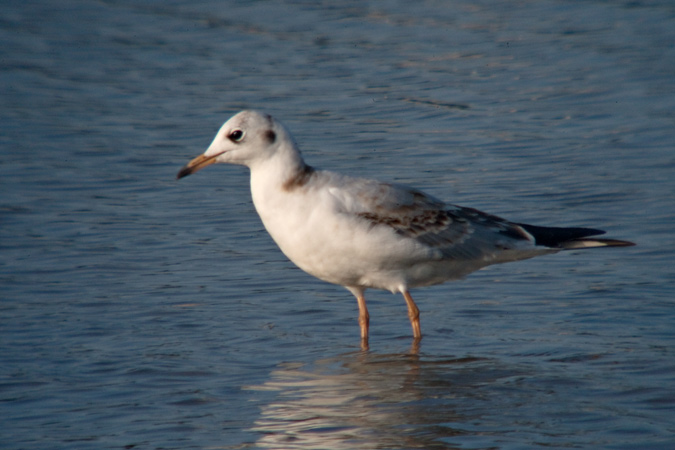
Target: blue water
(141,312)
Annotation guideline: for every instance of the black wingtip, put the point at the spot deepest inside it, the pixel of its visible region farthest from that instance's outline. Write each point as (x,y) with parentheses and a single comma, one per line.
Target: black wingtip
(571,238)
(555,236)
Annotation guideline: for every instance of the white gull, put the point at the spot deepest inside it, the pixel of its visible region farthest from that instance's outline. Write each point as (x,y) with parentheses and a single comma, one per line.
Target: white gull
(362,233)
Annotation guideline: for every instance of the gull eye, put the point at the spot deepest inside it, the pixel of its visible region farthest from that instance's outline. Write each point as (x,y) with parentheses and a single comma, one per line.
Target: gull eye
(236,136)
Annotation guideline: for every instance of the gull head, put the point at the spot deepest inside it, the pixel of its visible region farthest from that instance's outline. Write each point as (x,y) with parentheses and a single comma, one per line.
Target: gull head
(246,138)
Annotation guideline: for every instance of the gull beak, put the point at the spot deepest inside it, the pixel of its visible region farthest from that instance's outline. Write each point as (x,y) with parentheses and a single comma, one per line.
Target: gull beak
(196,164)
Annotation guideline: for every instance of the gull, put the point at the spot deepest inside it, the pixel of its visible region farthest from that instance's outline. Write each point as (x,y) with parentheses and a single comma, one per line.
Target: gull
(362,233)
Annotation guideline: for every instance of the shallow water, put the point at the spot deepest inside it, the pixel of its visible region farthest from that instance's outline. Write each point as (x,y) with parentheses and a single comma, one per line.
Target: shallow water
(141,312)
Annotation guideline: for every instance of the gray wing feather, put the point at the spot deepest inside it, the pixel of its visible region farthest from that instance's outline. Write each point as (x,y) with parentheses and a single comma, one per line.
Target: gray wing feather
(433,223)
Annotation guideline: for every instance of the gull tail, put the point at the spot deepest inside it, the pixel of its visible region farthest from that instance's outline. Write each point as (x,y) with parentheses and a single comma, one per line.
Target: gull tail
(570,238)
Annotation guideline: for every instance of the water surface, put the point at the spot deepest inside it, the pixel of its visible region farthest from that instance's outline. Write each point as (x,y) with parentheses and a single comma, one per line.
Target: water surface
(141,312)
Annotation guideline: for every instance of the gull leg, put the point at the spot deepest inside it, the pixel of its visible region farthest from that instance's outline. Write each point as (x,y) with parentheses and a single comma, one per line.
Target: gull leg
(364,320)
(413,315)
(364,317)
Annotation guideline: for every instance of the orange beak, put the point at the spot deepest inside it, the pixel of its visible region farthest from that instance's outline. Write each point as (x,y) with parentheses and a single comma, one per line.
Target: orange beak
(196,164)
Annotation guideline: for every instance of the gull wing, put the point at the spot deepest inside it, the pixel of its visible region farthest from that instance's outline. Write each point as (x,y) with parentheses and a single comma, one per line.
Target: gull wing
(413,214)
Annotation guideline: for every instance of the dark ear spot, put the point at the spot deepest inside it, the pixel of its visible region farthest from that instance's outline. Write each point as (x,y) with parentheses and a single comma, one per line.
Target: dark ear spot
(271,136)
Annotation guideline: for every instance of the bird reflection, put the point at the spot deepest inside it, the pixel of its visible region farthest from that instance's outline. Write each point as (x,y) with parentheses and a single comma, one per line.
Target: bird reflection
(366,401)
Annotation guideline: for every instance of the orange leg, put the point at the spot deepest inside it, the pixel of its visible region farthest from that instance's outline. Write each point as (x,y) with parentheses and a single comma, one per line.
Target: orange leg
(413,315)
(364,319)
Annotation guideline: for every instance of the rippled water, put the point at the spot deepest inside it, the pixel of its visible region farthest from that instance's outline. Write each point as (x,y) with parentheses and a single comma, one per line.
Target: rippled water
(141,312)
